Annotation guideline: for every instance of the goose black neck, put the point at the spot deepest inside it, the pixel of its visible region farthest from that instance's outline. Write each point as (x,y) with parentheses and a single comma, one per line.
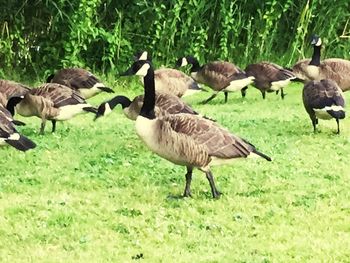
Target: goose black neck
(149,99)
(122,100)
(195,65)
(316,56)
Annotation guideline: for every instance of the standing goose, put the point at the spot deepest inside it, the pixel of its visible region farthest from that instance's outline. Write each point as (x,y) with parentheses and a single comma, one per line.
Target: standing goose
(324,100)
(165,104)
(171,81)
(269,77)
(79,79)
(218,75)
(53,102)
(335,69)
(186,139)
(9,134)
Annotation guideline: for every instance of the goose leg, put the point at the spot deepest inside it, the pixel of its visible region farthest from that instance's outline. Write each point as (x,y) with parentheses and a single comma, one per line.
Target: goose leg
(244,92)
(226,96)
(42,127)
(263,93)
(214,190)
(210,98)
(53,125)
(187,192)
(338,131)
(282,94)
(314,123)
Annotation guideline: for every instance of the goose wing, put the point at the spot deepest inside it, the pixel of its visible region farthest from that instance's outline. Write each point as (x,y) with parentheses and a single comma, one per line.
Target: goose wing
(218,141)
(321,94)
(172,104)
(12,89)
(59,95)
(75,78)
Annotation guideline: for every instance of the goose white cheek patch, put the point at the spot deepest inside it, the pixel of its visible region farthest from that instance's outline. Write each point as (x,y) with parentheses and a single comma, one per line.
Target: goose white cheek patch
(143,70)
(319,42)
(184,62)
(143,56)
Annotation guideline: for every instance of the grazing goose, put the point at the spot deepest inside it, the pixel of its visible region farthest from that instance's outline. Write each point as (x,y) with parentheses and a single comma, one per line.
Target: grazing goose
(165,104)
(186,139)
(269,77)
(324,100)
(218,75)
(53,102)
(79,79)
(171,81)
(335,69)
(9,135)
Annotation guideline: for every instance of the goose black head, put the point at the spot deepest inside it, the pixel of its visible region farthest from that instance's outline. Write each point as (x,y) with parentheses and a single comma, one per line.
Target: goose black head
(142,55)
(140,68)
(188,60)
(316,40)
(102,110)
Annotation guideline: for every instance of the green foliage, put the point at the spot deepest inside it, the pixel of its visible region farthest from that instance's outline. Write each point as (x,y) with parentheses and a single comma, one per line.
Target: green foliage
(93,192)
(40,36)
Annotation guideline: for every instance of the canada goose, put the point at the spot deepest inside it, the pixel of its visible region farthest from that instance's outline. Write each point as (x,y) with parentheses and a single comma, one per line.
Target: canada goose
(79,79)
(186,139)
(51,101)
(324,100)
(10,89)
(165,104)
(9,134)
(335,69)
(218,75)
(269,77)
(171,81)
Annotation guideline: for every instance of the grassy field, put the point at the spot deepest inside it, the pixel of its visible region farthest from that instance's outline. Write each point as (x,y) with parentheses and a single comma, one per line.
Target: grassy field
(92,192)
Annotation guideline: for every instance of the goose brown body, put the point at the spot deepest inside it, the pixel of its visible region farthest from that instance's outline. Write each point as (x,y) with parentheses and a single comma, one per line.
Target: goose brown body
(52,101)
(323,99)
(81,80)
(174,82)
(220,76)
(10,89)
(9,134)
(269,77)
(186,139)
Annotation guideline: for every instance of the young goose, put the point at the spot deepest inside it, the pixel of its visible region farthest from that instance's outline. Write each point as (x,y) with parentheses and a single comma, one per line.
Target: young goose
(186,139)
(269,77)
(171,81)
(165,104)
(324,100)
(53,102)
(335,69)
(218,75)
(9,135)
(81,80)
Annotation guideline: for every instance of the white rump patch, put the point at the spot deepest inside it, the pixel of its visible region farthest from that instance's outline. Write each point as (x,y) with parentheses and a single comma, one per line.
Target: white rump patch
(277,85)
(69,111)
(143,55)
(236,85)
(14,137)
(108,109)
(143,70)
(184,62)
(323,114)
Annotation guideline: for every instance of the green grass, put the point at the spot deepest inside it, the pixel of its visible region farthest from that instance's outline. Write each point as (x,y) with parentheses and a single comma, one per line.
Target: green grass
(92,192)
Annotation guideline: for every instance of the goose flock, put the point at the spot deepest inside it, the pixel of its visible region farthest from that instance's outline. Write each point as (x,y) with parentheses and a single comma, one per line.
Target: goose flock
(164,122)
